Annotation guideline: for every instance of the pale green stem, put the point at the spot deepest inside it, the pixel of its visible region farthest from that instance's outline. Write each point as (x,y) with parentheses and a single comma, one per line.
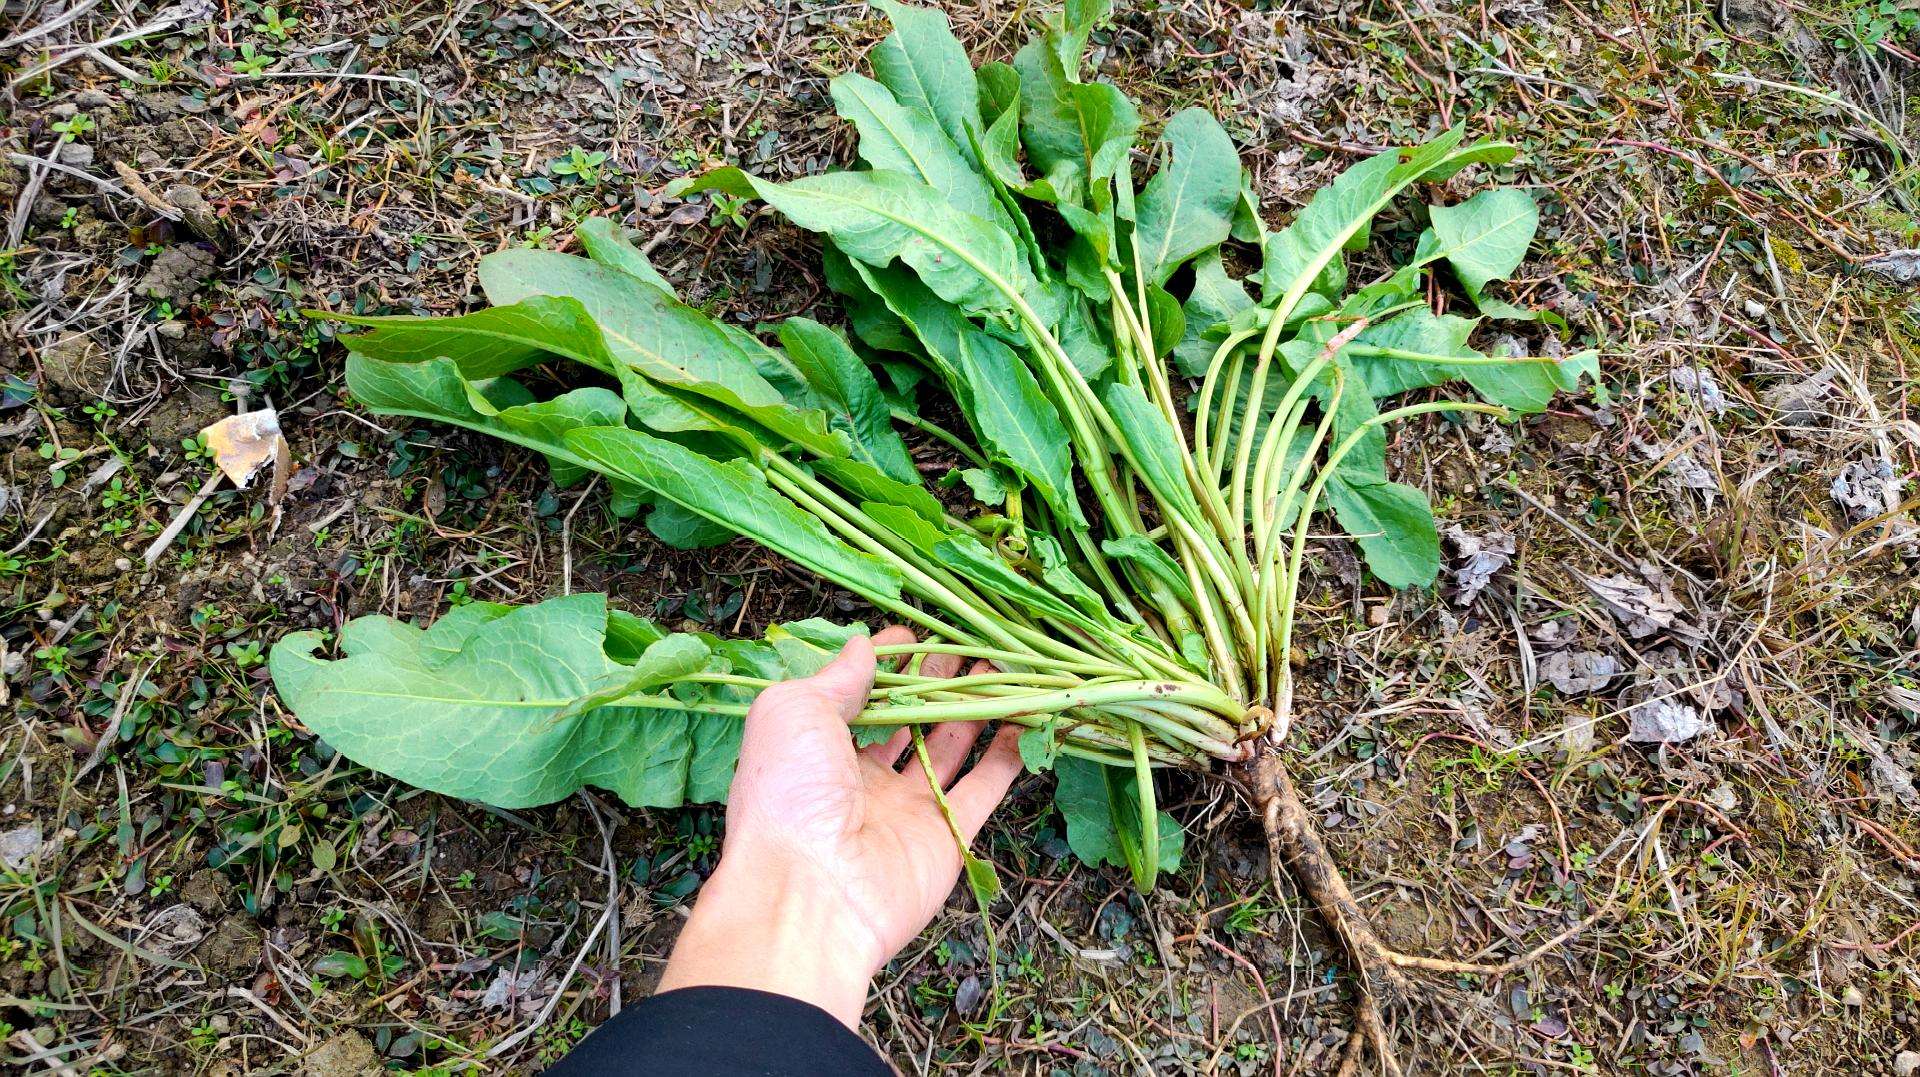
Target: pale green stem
(1149,811)
(1283,712)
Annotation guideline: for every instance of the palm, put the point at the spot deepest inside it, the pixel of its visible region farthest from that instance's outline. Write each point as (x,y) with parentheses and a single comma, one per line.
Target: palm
(875,831)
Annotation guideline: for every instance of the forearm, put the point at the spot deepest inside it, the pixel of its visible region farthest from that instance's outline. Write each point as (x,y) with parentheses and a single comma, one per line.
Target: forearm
(766,924)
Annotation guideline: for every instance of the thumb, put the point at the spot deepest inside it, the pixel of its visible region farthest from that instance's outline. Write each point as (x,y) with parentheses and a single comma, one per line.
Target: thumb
(844,682)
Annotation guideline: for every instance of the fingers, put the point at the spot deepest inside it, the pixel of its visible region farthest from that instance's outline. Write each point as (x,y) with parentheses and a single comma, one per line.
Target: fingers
(940,665)
(893,636)
(888,754)
(974,797)
(947,747)
(844,682)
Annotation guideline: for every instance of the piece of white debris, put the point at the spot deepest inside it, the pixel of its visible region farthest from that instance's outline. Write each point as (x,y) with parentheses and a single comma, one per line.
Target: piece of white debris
(19,846)
(1664,721)
(1574,673)
(1901,266)
(1476,559)
(243,444)
(1642,606)
(1860,489)
(1699,382)
(528,989)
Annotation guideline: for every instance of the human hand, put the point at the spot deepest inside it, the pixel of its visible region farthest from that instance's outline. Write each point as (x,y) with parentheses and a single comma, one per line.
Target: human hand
(834,859)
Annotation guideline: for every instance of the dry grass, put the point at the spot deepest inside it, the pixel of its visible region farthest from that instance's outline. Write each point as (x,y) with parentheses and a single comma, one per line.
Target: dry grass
(1746,898)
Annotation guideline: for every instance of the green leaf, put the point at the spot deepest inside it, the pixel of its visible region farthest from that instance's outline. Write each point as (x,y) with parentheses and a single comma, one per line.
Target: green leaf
(684,529)
(853,398)
(907,524)
(873,323)
(653,334)
(473,708)
(1393,525)
(1140,552)
(1188,206)
(1214,300)
(1088,127)
(487,343)
(1486,237)
(606,242)
(866,482)
(925,67)
(1056,571)
(1040,747)
(732,494)
(989,487)
(1153,446)
(435,390)
(1101,808)
(1012,418)
(909,141)
(1410,351)
(981,566)
(1307,254)
(877,217)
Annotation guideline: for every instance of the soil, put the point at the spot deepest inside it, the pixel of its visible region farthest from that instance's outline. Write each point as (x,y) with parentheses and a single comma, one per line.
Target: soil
(1745,899)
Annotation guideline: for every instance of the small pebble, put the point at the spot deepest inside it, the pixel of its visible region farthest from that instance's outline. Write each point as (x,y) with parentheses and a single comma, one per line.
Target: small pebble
(1853,997)
(1906,1063)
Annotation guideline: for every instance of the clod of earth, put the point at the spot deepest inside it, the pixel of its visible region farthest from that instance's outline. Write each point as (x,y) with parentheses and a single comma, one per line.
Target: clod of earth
(1147,439)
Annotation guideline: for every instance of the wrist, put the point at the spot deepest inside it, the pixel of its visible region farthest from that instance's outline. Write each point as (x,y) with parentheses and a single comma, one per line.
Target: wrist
(772,924)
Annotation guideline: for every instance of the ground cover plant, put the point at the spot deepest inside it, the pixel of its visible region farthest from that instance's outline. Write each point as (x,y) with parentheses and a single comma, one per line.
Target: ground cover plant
(1152,440)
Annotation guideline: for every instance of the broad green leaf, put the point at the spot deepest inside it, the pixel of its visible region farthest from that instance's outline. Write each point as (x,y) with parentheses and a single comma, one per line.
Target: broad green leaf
(1056,571)
(1153,445)
(1410,351)
(435,390)
(876,217)
(1393,525)
(480,715)
(1307,254)
(1166,320)
(1040,747)
(1140,552)
(684,529)
(990,486)
(670,659)
(1214,300)
(1087,126)
(1000,151)
(659,337)
(910,526)
(1407,351)
(852,396)
(732,494)
(1097,809)
(873,322)
(1069,28)
(1085,343)
(1486,237)
(868,483)
(805,647)
(487,343)
(981,566)
(909,141)
(926,68)
(606,242)
(998,394)
(1188,206)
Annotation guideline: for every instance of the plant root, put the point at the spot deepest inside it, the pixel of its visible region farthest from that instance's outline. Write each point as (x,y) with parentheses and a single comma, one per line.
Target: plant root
(1294,840)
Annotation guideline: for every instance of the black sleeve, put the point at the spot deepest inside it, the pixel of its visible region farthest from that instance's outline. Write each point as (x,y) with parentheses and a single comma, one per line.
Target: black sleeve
(722,1032)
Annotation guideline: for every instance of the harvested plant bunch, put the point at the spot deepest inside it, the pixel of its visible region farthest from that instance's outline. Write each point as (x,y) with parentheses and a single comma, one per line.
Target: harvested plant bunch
(1147,440)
